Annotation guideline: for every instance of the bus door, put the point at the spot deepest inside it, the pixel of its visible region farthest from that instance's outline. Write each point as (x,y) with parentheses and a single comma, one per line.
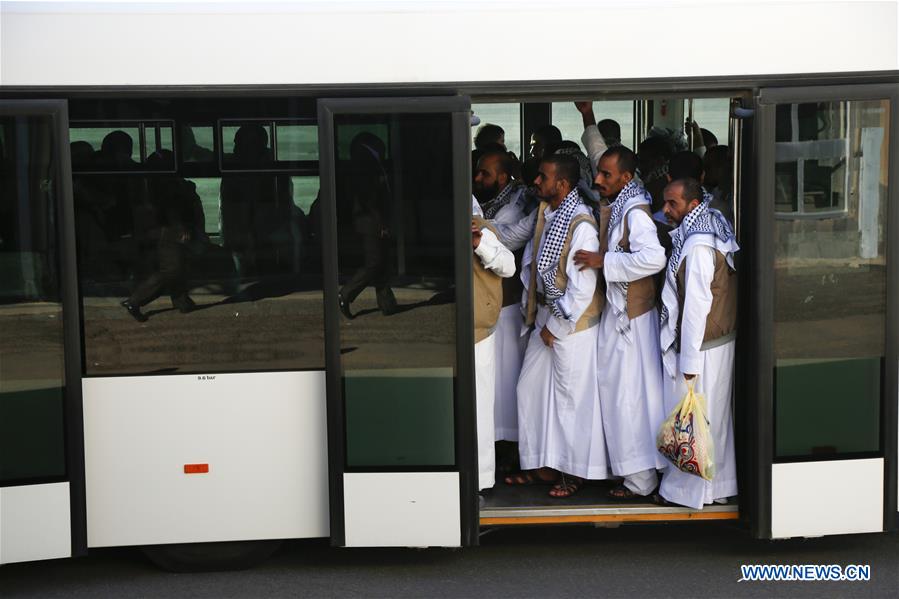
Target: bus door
(825,308)
(396,214)
(41,463)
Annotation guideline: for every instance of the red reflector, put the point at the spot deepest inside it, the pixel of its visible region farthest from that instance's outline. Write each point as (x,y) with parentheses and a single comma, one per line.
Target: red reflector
(196,468)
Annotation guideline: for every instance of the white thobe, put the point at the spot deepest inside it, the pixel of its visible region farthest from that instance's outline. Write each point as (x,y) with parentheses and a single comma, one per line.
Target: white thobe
(559,420)
(476,208)
(514,210)
(629,371)
(714,368)
(510,343)
(595,145)
(496,258)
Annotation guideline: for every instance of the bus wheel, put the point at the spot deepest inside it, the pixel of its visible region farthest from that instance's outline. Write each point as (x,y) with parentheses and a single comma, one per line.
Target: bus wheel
(209,557)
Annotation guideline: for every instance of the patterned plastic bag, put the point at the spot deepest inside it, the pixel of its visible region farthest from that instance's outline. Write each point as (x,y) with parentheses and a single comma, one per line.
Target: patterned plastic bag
(685,438)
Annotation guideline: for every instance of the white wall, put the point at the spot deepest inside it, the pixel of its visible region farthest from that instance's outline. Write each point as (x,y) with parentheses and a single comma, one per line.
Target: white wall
(193,43)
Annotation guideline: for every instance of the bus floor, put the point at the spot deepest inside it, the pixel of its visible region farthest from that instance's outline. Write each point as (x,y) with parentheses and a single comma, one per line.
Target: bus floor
(522,505)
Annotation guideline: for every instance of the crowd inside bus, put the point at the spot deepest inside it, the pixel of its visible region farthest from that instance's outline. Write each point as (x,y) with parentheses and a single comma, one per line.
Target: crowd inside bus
(605,286)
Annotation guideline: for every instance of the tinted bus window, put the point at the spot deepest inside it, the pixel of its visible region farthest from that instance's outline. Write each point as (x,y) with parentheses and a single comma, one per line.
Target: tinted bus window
(830,269)
(31,333)
(197,143)
(287,144)
(396,264)
(296,143)
(122,146)
(217,273)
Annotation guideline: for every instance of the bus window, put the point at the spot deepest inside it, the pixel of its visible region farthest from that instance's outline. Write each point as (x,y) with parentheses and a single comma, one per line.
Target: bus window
(566,117)
(348,131)
(197,143)
(204,271)
(305,192)
(251,134)
(811,170)
(830,276)
(31,323)
(713,115)
(122,146)
(507,116)
(94,136)
(208,189)
(296,143)
(396,265)
(287,145)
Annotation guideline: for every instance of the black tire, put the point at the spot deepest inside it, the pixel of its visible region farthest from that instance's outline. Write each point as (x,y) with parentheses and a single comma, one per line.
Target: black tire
(211,557)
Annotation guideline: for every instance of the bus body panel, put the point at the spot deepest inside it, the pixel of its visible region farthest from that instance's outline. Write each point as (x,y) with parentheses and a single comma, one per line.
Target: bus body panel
(199,458)
(402,509)
(243,43)
(35,523)
(826,498)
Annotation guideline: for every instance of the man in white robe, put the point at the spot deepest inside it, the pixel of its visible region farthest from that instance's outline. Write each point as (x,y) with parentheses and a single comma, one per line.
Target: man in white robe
(592,139)
(628,367)
(493,262)
(504,200)
(698,330)
(560,425)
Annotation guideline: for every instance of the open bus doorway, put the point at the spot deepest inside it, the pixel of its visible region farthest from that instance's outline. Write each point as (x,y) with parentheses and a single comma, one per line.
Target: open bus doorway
(658,129)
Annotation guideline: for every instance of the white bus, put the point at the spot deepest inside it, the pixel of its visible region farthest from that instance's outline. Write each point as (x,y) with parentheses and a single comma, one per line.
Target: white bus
(240,407)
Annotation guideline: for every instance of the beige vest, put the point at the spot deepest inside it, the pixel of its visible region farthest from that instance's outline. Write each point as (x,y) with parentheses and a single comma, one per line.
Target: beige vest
(488,293)
(590,317)
(722,319)
(641,294)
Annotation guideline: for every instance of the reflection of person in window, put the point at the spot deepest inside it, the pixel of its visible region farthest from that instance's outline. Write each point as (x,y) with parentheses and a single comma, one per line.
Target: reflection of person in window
(93,205)
(125,192)
(261,226)
(190,150)
(240,193)
(174,201)
(370,194)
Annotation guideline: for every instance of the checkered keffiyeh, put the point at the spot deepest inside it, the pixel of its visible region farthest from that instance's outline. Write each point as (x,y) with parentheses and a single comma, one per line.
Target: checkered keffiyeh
(705,226)
(492,207)
(633,194)
(656,174)
(629,192)
(552,249)
(702,219)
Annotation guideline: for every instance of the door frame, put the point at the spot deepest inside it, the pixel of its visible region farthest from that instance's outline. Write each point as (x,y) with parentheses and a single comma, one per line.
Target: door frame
(58,110)
(465,419)
(761,337)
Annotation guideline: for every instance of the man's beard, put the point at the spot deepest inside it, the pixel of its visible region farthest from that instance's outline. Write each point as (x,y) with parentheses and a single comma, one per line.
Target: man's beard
(485,194)
(611,197)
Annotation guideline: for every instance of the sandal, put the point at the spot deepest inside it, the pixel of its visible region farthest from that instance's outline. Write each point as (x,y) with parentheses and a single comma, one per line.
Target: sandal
(567,486)
(659,500)
(527,478)
(622,493)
